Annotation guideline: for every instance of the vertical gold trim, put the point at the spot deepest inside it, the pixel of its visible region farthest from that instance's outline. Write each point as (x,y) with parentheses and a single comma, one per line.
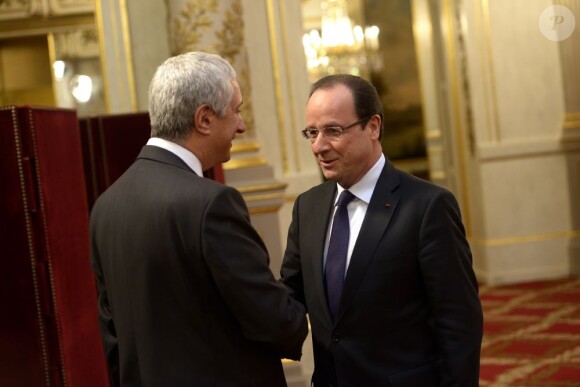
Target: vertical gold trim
(128,54)
(480,37)
(291,98)
(117,56)
(277,86)
(421,65)
(115,40)
(449,16)
(487,42)
(101,34)
(52,59)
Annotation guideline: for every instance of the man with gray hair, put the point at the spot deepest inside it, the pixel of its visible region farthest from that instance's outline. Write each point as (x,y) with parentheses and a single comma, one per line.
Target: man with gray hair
(186,297)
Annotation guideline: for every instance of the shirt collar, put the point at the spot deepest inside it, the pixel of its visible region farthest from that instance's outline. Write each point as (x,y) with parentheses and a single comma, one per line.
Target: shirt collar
(364,188)
(188,158)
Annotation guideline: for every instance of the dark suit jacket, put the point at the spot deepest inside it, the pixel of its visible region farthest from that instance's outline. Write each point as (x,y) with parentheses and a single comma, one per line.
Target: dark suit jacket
(410,314)
(186,297)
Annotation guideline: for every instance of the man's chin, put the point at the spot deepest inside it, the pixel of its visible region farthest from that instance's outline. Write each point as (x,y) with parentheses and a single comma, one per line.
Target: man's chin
(328,174)
(221,161)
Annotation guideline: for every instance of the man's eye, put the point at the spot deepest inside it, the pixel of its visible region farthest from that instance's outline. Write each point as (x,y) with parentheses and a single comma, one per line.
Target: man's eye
(332,132)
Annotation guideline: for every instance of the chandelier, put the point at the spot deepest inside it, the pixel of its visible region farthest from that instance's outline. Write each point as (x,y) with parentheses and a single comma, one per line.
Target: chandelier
(339,47)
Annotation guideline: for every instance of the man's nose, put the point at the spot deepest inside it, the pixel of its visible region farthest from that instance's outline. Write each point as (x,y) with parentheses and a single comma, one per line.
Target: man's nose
(242,127)
(319,143)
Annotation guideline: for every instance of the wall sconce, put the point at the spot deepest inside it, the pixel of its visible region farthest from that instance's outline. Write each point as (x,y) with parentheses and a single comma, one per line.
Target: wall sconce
(81,87)
(59,68)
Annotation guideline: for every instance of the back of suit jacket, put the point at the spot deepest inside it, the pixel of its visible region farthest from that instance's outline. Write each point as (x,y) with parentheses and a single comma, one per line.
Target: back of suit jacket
(409,313)
(186,296)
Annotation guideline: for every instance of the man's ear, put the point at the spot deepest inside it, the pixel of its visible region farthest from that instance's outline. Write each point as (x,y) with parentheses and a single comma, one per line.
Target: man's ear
(202,119)
(375,123)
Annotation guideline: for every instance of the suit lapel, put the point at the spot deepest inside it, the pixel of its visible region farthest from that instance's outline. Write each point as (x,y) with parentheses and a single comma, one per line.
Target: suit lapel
(321,208)
(379,213)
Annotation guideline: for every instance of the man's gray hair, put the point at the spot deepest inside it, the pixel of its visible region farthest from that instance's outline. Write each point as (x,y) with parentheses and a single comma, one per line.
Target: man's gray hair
(182,84)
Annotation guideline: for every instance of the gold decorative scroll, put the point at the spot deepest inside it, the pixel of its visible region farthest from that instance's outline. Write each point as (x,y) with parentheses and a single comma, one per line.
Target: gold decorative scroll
(214,27)
(17,9)
(21,9)
(78,43)
(68,7)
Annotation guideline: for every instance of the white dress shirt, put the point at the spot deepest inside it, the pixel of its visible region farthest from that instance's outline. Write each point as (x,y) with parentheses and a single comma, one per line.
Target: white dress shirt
(188,158)
(357,208)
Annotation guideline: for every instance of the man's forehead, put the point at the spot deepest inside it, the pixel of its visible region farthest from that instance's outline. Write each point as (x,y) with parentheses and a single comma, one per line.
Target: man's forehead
(237,98)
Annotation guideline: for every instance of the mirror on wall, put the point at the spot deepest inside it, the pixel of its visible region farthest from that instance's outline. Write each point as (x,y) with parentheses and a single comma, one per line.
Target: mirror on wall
(50,55)
(58,69)
(76,70)
(398,80)
(373,39)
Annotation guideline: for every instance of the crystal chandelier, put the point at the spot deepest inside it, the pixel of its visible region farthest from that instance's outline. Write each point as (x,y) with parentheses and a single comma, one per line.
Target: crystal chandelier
(339,47)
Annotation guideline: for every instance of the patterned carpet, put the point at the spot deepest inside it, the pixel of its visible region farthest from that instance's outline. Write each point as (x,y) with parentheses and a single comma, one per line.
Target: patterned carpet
(531,334)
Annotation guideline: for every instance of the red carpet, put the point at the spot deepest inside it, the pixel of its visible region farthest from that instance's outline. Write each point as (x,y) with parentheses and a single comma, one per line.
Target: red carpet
(531,334)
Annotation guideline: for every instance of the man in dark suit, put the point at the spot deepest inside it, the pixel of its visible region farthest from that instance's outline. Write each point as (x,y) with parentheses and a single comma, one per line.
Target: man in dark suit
(186,297)
(403,309)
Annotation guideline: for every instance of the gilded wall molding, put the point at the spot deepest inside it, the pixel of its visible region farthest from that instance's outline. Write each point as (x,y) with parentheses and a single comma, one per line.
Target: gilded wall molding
(247,162)
(263,187)
(77,43)
(128,48)
(291,84)
(67,7)
(189,25)
(19,18)
(19,9)
(461,28)
(571,121)
(278,196)
(22,9)
(434,134)
(112,19)
(529,148)
(438,176)
(450,15)
(487,63)
(277,84)
(264,210)
(527,238)
(245,147)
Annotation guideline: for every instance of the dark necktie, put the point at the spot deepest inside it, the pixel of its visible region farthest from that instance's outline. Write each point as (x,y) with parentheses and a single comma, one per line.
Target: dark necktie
(337,252)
